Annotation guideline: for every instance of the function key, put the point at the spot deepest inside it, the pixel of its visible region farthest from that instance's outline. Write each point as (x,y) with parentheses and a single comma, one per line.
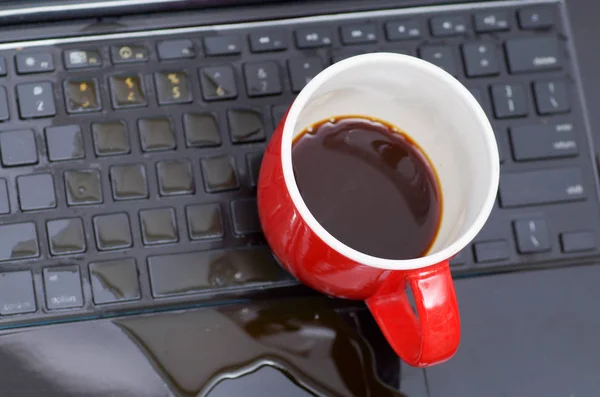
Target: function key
(129,53)
(551,97)
(262,78)
(359,33)
(127,91)
(302,70)
(19,240)
(82,95)
(76,59)
(402,30)
(268,41)
(222,45)
(218,82)
(172,87)
(313,37)
(18,148)
(245,125)
(480,59)
(2,66)
(63,287)
(532,235)
(441,56)
(450,25)
(536,17)
(36,100)
(35,63)
(533,54)
(491,21)
(176,49)
(16,293)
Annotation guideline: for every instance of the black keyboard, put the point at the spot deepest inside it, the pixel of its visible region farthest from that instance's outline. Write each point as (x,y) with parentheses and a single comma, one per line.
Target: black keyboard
(130,161)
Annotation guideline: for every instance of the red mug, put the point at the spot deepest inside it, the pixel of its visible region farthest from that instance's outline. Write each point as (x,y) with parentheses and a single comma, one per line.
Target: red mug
(448,123)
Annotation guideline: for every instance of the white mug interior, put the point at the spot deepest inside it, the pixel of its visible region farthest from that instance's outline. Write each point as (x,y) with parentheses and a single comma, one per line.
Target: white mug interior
(431,107)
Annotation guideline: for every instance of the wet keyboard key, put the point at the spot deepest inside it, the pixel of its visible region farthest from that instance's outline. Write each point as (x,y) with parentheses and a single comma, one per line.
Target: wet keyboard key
(127,91)
(82,95)
(201,130)
(245,125)
(262,78)
(114,281)
(542,187)
(36,100)
(532,235)
(64,143)
(204,221)
(36,192)
(176,49)
(533,54)
(274,40)
(18,148)
(4,112)
(222,45)
(254,160)
(218,82)
(159,226)
(16,293)
(4,202)
(509,100)
(156,134)
(172,87)
(211,270)
(112,231)
(441,56)
(63,287)
(551,97)
(128,182)
(39,62)
(175,178)
(66,236)
(278,112)
(303,70)
(83,187)
(76,59)
(110,138)
(220,174)
(245,217)
(2,66)
(19,241)
(543,141)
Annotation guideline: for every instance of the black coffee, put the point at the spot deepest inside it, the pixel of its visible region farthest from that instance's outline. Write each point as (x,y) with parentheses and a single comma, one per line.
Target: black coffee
(369,185)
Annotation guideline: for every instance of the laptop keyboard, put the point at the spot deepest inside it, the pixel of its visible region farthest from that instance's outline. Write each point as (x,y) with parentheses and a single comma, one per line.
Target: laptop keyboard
(130,161)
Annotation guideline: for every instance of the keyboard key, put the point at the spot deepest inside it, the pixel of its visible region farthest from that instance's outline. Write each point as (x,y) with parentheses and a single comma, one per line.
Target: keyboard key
(16,293)
(82,95)
(222,45)
(533,54)
(542,187)
(83,187)
(63,287)
(313,37)
(172,87)
(578,241)
(448,25)
(340,56)
(18,148)
(543,141)
(532,235)
(159,226)
(66,236)
(363,33)
(491,251)
(112,232)
(194,272)
(19,241)
(77,59)
(262,78)
(127,91)
(480,59)
(492,21)
(156,134)
(201,130)
(64,143)
(402,30)
(218,82)
(459,259)
(128,182)
(35,100)
(2,66)
(440,55)
(254,160)
(204,221)
(36,192)
(110,138)
(303,70)
(551,97)
(278,112)
(34,63)
(274,40)
(244,214)
(175,178)
(176,49)
(245,125)
(510,100)
(220,174)
(129,53)
(536,18)
(478,94)
(114,281)
(4,112)
(4,202)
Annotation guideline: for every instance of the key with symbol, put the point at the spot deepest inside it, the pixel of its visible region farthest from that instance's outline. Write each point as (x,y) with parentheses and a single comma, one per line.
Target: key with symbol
(35,63)
(172,87)
(127,91)
(262,78)
(81,95)
(128,53)
(218,82)
(551,97)
(36,100)
(302,70)
(532,235)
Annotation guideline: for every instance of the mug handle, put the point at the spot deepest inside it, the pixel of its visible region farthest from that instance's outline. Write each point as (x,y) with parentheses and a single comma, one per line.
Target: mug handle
(433,336)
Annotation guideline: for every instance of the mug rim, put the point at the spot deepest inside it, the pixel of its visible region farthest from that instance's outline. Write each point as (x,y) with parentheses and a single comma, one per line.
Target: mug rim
(390,264)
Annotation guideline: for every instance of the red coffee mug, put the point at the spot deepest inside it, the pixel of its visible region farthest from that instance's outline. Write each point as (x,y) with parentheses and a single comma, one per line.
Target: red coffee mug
(442,116)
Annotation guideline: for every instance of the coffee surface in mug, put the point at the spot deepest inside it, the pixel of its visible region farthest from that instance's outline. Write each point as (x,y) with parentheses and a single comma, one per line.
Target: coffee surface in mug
(369,185)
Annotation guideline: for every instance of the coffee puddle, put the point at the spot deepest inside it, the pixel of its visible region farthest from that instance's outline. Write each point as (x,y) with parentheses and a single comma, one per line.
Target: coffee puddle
(292,348)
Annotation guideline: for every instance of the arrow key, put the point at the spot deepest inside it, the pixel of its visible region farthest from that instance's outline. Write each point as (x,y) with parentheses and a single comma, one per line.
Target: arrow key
(532,235)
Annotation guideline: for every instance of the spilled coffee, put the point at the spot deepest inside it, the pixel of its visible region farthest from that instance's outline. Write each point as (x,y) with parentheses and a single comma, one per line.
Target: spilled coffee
(369,185)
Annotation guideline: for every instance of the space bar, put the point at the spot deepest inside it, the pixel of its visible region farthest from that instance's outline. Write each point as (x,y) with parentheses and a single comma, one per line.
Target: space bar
(195,272)
(542,187)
